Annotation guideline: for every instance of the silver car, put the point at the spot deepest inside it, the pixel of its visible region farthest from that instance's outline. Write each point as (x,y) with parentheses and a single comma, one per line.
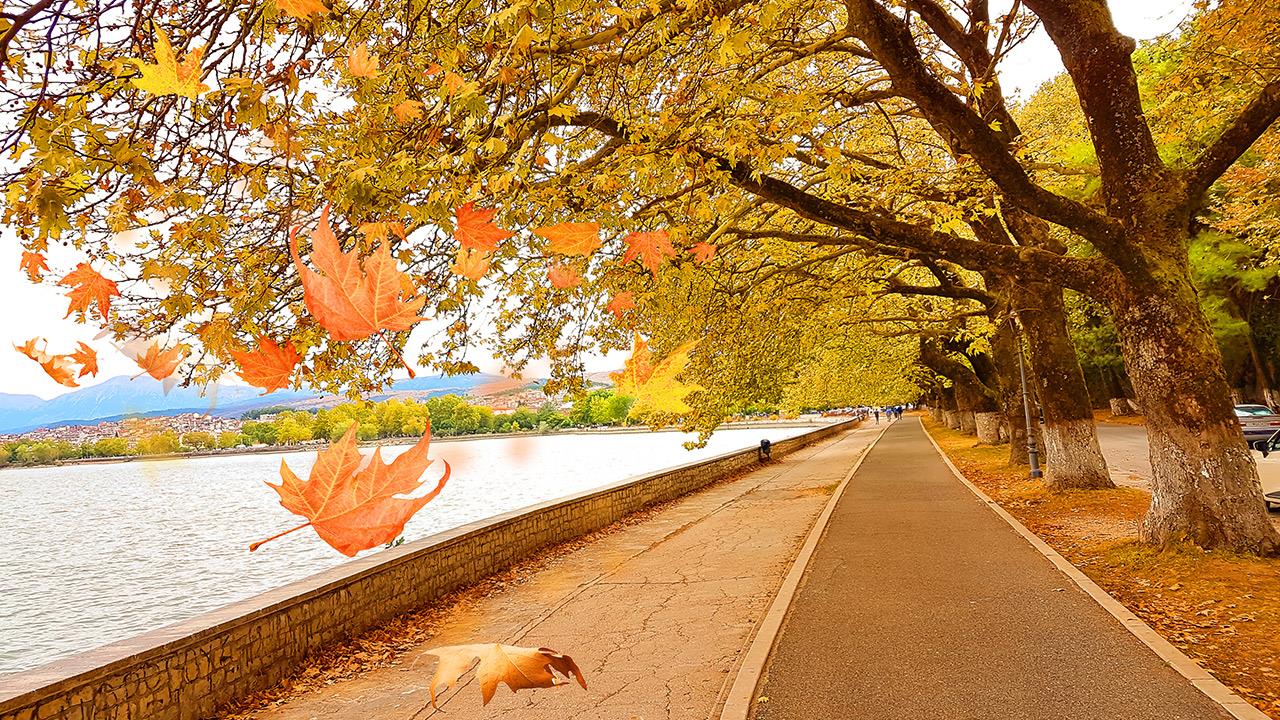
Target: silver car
(1258,422)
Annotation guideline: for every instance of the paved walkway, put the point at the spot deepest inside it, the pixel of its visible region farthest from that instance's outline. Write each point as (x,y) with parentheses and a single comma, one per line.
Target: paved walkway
(657,614)
(920,602)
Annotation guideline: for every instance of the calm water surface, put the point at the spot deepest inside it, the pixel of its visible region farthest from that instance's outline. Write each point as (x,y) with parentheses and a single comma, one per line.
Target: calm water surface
(97,553)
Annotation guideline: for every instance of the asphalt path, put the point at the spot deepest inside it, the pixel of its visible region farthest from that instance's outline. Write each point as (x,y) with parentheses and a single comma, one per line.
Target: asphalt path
(920,602)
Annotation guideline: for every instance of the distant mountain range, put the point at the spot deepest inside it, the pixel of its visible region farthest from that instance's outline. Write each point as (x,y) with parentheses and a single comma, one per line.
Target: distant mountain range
(122,397)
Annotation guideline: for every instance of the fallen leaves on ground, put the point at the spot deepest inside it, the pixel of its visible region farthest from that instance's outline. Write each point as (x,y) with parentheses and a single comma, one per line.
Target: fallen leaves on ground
(168,75)
(521,668)
(89,287)
(354,502)
(269,367)
(1221,609)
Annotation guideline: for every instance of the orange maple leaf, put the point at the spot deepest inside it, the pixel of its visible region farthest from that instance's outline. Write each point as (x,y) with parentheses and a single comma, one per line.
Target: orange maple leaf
(270,367)
(88,286)
(379,231)
(471,264)
(702,252)
(622,302)
(407,110)
(564,277)
(159,363)
(572,238)
(347,302)
(87,358)
(656,386)
(653,249)
(475,228)
(34,263)
(520,668)
(301,9)
(57,367)
(360,63)
(354,502)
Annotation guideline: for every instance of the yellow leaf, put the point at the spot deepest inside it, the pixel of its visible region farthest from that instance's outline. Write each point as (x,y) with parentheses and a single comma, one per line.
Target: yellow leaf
(520,668)
(168,76)
(360,63)
(656,388)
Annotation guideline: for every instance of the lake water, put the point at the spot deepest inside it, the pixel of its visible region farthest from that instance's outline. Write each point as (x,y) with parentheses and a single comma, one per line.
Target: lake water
(97,553)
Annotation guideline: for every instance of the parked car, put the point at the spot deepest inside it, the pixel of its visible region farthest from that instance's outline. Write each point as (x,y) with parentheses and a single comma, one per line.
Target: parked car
(1258,422)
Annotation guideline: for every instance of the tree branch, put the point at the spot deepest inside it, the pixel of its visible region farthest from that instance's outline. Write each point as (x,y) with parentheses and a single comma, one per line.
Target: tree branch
(1248,126)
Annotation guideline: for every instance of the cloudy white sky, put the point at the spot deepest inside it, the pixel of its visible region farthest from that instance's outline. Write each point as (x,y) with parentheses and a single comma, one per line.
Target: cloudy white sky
(36,310)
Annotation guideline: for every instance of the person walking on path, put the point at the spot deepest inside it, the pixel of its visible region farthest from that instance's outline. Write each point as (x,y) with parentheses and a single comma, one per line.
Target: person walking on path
(877,416)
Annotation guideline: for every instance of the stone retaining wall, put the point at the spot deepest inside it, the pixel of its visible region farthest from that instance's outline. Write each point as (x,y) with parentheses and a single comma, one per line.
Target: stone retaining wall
(187,670)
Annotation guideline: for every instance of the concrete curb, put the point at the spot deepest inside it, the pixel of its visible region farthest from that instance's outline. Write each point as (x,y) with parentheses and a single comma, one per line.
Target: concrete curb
(1235,705)
(741,696)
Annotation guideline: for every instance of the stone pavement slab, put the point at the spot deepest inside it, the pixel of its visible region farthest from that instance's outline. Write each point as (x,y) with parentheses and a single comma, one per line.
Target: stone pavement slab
(920,602)
(656,614)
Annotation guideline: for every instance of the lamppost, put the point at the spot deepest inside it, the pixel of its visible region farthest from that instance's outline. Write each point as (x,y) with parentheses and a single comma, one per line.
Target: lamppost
(1033,455)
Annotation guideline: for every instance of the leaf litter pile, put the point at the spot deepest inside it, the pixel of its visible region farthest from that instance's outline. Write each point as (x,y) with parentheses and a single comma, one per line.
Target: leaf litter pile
(1221,609)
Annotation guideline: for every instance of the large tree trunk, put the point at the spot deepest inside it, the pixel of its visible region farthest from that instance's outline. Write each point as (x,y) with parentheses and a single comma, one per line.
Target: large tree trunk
(1073,458)
(1205,487)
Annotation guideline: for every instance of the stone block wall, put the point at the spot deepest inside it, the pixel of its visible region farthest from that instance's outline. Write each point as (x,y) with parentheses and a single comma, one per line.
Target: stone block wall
(187,670)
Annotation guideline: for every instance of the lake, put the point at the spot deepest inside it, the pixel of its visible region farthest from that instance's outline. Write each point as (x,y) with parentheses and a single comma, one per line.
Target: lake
(97,553)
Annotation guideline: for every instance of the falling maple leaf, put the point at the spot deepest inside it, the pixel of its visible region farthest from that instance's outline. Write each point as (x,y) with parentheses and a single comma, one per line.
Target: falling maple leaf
(354,502)
(168,75)
(347,302)
(88,286)
(702,252)
(474,228)
(270,367)
(407,110)
(301,9)
(471,264)
(563,277)
(622,302)
(360,63)
(87,358)
(656,387)
(158,362)
(379,231)
(572,238)
(653,249)
(57,367)
(521,668)
(34,264)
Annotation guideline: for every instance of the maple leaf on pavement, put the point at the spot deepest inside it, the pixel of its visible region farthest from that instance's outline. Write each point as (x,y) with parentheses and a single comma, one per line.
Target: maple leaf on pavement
(270,367)
(475,228)
(34,264)
(349,301)
(87,358)
(656,387)
(301,9)
(57,367)
(169,76)
(702,252)
(470,263)
(653,249)
(354,502)
(360,63)
(520,668)
(622,302)
(87,287)
(572,238)
(564,277)
(160,363)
